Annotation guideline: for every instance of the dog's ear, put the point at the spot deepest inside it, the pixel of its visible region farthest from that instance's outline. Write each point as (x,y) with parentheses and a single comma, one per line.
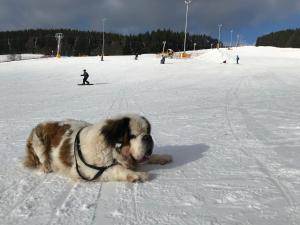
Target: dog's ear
(115,131)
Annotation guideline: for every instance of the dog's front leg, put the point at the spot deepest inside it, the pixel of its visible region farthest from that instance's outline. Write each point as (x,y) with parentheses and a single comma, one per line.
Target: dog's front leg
(160,159)
(120,173)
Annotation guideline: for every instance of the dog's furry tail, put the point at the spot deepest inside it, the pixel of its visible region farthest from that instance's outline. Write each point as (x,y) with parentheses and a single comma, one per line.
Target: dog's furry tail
(31,160)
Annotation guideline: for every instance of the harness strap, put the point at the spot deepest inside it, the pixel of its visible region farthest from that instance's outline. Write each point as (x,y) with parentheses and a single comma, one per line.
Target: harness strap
(77,148)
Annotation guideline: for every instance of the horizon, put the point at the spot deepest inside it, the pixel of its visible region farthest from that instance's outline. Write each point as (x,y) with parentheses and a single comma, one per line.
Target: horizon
(225,42)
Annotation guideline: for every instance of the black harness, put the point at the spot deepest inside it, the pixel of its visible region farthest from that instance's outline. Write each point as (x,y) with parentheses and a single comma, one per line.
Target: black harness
(77,149)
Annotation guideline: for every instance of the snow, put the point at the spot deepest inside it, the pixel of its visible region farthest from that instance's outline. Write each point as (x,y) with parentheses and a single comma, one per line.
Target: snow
(6,58)
(233,131)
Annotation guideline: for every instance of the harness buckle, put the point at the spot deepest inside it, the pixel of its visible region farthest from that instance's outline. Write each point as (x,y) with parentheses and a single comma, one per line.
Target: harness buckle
(118,147)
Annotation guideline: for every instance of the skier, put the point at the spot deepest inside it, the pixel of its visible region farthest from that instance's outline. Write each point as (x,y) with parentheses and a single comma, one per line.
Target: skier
(85,77)
(163,59)
(136,56)
(237,59)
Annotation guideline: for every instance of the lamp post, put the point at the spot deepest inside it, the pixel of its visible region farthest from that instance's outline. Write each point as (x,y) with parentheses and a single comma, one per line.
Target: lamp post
(164,44)
(237,40)
(102,54)
(59,37)
(9,45)
(35,44)
(219,40)
(231,38)
(187,2)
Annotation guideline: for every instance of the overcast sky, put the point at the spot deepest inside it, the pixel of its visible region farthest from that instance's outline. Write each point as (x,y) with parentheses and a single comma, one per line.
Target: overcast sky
(250,18)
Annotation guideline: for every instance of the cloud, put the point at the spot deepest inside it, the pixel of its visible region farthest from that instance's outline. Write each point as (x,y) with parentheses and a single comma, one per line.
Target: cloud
(133,16)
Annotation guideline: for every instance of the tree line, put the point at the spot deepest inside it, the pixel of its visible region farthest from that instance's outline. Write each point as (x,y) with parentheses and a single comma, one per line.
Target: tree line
(284,39)
(76,43)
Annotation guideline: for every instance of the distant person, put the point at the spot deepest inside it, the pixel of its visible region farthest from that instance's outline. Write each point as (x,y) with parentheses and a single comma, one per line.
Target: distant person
(237,59)
(136,56)
(163,59)
(85,77)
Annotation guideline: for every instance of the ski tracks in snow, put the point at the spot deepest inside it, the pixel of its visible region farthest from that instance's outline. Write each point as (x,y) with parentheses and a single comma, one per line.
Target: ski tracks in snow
(233,101)
(53,200)
(17,193)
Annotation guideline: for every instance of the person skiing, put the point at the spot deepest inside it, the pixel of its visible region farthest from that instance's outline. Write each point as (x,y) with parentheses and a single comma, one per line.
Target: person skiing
(85,77)
(163,59)
(136,56)
(237,59)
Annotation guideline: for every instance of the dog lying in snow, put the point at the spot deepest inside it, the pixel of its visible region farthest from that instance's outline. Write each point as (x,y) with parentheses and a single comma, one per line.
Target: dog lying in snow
(106,151)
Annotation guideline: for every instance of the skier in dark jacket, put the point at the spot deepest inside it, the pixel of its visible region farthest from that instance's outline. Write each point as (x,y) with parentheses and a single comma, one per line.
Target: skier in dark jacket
(163,59)
(136,56)
(85,77)
(237,59)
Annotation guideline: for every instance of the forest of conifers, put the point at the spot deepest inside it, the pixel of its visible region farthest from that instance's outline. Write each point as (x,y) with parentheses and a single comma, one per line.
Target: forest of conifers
(284,39)
(75,43)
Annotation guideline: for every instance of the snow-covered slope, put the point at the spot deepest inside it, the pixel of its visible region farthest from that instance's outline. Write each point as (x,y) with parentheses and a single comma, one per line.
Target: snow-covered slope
(8,58)
(233,131)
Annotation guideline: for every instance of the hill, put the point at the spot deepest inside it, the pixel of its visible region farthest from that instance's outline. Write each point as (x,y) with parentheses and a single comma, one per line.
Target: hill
(283,39)
(233,131)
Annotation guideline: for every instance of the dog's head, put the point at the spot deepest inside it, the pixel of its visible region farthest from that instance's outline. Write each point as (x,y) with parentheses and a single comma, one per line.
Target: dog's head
(133,133)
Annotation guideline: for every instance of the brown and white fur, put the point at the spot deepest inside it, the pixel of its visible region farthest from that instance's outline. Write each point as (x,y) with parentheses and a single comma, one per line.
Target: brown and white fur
(50,148)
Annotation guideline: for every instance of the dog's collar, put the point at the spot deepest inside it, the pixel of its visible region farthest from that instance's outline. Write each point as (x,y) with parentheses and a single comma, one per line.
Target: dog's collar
(77,148)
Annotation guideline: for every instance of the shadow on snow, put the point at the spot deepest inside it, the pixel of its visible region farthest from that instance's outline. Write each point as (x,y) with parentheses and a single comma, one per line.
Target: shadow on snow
(182,155)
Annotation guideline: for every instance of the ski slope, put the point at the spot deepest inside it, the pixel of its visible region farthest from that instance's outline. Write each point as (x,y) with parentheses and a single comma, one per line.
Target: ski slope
(233,131)
(17,57)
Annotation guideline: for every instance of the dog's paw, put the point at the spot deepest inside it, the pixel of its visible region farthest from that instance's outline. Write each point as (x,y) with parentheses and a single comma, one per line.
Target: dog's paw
(46,167)
(160,159)
(138,177)
(164,159)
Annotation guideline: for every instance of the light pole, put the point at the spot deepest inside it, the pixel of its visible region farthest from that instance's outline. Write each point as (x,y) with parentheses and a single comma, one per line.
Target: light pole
(9,45)
(187,2)
(237,40)
(219,40)
(164,44)
(231,38)
(35,44)
(59,37)
(102,54)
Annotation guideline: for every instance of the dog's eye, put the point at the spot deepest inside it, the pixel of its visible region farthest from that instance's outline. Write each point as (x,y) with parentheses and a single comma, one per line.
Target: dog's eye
(131,136)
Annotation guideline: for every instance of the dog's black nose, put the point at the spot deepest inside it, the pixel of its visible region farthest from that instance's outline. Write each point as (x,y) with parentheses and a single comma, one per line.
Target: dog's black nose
(148,141)
(149,150)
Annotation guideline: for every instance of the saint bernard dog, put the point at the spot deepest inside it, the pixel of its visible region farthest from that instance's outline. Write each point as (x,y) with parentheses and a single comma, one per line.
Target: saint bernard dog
(106,151)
